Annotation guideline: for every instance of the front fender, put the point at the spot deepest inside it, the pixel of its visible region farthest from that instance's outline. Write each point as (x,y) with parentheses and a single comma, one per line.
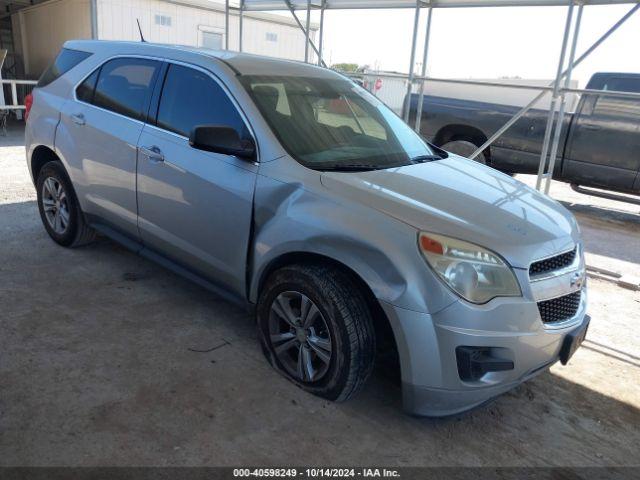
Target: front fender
(290,218)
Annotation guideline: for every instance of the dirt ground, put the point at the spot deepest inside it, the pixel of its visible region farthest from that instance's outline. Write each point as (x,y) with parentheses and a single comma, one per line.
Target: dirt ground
(107,359)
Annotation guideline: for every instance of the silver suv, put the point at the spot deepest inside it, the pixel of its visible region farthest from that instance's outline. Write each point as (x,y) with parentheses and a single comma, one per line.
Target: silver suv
(290,189)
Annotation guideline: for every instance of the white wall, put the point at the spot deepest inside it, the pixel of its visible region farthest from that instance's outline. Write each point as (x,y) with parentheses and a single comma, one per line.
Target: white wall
(40,31)
(394,90)
(391,92)
(117,21)
(501,95)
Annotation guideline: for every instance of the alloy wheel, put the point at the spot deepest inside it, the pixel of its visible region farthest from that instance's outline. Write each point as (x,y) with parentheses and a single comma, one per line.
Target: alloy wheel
(55,205)
(300,336)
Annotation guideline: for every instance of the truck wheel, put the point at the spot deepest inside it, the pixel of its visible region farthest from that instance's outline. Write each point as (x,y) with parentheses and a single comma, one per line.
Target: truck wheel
(59,209)
(464,148)
(316,329)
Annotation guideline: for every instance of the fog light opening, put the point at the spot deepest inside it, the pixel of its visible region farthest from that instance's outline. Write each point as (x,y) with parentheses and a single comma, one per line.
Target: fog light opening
(475,362)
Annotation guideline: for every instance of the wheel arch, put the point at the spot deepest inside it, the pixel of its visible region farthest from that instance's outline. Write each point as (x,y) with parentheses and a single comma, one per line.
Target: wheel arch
(453,132)
(385,336)
(40,156)
(43,154)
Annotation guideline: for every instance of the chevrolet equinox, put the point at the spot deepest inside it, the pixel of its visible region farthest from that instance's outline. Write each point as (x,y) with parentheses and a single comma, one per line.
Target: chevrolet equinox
(291,189)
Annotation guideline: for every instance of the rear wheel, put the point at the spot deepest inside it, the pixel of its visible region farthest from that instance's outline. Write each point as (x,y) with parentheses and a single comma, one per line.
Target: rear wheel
(316,329)
(59,209)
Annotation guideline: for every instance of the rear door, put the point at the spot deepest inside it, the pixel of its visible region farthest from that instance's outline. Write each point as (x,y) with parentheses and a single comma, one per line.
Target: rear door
(604,147)
(195,207)
(103,122)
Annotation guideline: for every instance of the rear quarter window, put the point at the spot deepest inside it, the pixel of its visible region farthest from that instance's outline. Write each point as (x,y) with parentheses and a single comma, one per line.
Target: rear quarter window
(65,61)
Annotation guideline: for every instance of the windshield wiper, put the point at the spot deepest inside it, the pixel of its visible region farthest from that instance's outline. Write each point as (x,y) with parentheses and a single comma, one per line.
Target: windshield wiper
(353,167)
(426,158)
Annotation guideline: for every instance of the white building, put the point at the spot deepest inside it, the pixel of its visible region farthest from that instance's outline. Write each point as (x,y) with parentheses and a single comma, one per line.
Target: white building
(40,30)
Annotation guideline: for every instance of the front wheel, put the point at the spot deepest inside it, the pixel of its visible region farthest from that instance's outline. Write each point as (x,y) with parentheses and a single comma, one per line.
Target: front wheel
(316,329)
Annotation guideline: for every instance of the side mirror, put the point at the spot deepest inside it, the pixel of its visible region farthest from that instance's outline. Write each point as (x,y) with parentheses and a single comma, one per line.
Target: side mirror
(221,139)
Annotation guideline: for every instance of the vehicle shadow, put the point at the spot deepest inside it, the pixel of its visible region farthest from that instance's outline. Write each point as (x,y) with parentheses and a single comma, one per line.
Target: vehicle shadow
(14,136)
(205,352)
(620,218)
(608,232)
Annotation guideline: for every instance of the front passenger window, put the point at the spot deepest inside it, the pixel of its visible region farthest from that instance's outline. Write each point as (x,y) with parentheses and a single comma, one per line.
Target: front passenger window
(190,97)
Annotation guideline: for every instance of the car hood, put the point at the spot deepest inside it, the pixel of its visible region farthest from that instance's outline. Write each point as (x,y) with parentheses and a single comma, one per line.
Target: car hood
(466,200)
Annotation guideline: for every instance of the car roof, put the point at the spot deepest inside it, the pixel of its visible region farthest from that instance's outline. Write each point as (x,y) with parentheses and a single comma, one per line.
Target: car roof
(240,63)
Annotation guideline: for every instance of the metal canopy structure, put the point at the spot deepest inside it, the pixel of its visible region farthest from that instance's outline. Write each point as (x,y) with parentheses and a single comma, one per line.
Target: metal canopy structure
(557,89)
(265,5)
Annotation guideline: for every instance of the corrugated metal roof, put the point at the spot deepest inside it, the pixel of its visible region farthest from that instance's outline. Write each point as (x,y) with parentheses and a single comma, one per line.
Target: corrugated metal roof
(372,4)
(8,7)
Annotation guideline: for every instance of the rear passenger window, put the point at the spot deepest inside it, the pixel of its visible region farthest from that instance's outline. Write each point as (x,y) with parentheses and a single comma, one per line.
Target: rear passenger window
(65,61)
(84,92)
(191,98)
(124,86)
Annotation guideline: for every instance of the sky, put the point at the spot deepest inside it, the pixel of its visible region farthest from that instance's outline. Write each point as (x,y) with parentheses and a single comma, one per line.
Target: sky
(482,42)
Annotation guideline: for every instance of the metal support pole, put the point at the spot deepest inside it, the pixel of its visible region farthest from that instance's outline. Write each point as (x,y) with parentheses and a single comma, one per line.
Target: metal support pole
(425,56)
(606,35)
(563,102)
(538,97)
(306,33)
(407,100)
(14,94)
(226,24)
(321,32)
(240,25)
(295,17)
(93,6)
(554,97)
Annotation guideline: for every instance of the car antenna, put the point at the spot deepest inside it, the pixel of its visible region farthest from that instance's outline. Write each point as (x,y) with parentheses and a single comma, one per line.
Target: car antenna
(140,30)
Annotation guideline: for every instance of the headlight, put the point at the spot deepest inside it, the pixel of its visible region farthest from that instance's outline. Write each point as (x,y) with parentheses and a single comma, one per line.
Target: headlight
(473,272)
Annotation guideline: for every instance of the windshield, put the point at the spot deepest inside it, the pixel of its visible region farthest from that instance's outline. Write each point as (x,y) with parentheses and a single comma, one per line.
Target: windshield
(335,124)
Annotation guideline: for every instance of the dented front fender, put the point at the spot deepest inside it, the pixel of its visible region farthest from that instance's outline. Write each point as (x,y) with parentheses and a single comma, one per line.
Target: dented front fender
(296,216)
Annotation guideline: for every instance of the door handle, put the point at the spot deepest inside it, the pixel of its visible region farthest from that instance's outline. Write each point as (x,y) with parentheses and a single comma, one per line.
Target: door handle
(591,126)
(152,153)
(78,119)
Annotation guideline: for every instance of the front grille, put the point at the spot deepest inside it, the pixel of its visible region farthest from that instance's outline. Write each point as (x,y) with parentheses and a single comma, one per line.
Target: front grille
(561,308)
(553,263)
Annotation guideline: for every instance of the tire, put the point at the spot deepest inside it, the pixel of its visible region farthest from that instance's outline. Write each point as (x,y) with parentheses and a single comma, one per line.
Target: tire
(59,208)
(464,148)
(341,308)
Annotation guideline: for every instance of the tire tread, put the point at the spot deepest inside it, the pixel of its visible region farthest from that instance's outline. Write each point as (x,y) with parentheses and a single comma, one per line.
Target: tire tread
(344,292)
(84,234)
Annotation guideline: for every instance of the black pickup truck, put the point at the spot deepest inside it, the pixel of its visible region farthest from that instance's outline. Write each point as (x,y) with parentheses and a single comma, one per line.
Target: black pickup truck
(599,143)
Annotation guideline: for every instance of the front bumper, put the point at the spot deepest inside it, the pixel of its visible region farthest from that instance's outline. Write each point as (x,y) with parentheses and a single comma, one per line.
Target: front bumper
(432,385)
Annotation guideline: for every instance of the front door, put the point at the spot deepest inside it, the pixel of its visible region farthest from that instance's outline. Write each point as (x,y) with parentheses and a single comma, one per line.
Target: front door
(604,146)
(103,123)
(195,207)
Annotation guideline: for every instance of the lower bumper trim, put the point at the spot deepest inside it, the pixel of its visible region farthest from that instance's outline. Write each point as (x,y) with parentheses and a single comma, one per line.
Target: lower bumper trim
(437,402)
(434,402)
(573,340)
